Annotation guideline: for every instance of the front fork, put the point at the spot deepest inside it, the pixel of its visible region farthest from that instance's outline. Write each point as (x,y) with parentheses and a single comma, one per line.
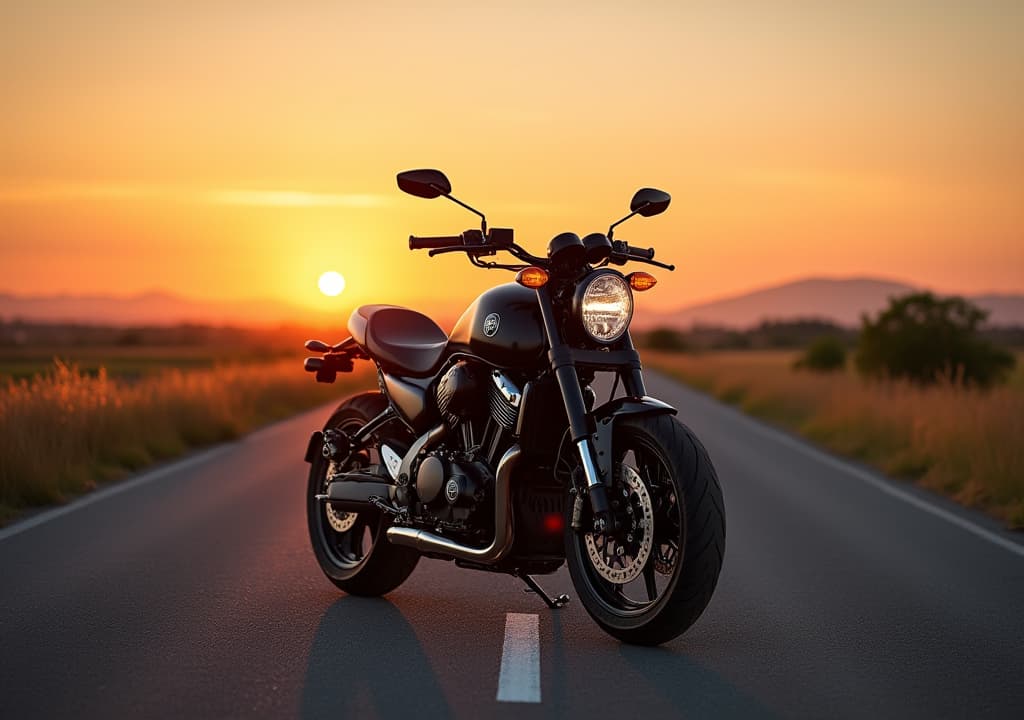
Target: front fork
(597,474)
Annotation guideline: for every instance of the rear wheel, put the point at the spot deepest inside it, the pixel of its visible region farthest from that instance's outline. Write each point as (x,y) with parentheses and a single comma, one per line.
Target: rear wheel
(651,578)
(351,548)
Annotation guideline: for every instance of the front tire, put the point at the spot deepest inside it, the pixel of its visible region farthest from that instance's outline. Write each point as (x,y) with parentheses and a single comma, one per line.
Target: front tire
(650,582)
(352,549)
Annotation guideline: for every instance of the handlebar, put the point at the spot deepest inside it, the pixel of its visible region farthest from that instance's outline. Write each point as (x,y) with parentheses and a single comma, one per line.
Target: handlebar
(437,241)
(473,244)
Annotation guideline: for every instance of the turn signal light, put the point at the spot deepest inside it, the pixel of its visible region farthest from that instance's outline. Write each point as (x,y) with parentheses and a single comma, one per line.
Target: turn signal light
(641,281)
(532,277)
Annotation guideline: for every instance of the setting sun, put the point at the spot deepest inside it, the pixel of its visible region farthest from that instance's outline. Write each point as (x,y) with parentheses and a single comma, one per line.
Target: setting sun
(331,283)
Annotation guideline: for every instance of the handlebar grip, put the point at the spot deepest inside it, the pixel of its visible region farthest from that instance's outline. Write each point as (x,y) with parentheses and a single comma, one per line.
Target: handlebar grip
(646,254)
(430,243)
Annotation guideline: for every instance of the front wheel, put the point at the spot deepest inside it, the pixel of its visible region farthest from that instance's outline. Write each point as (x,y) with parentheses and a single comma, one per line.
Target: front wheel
(649,579)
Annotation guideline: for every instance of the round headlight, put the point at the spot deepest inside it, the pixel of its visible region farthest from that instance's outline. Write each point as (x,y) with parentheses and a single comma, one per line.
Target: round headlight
(607,307)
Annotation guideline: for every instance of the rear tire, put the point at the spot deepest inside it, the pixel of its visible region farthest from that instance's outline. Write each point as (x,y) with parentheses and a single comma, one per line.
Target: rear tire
(682,487)
(359,561)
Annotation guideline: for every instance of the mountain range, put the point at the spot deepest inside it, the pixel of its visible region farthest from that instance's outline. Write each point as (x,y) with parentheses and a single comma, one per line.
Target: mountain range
(840,300)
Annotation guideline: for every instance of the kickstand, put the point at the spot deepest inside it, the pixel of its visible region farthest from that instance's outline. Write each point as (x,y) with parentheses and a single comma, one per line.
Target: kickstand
(554,604)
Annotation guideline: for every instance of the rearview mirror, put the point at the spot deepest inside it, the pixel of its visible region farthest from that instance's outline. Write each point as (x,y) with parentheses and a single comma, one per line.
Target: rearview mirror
(424,183)
(649,201)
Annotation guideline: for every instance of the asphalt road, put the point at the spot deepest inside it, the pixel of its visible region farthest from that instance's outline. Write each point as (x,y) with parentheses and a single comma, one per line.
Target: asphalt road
(192,592)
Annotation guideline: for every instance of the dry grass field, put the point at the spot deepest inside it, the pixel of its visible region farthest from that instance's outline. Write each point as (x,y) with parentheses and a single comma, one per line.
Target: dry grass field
(960,441)
(66,431)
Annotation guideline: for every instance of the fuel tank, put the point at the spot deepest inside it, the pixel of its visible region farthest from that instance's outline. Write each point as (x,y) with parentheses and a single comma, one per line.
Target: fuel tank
(503,326)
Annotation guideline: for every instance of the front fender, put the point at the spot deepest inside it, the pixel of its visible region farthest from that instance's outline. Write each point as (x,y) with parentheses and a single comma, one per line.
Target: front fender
(604,425)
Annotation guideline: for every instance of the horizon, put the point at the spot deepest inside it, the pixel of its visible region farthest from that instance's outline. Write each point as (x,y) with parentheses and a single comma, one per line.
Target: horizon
(227,153)
(225,313)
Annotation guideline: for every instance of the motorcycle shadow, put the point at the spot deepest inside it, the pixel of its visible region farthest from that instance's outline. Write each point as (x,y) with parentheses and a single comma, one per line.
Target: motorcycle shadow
(366,661)
(666,680)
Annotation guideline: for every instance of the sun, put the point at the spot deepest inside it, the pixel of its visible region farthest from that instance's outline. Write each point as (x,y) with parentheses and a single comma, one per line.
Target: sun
(331,283)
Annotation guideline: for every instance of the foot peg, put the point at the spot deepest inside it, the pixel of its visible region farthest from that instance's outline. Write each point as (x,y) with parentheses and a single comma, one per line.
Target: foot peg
(555,604)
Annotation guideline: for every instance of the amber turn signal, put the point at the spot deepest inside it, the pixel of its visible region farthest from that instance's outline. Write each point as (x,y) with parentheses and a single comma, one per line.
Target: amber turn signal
(532,277)
(641,281)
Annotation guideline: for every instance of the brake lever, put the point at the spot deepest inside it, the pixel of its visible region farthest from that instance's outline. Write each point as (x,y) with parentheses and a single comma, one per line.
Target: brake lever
(477,250)
(667,266)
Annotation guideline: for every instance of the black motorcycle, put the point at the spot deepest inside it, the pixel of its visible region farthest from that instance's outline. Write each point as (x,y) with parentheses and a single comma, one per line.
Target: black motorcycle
(488,447)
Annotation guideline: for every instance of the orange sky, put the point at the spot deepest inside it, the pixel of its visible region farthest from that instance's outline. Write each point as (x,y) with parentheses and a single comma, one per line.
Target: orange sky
(238,149)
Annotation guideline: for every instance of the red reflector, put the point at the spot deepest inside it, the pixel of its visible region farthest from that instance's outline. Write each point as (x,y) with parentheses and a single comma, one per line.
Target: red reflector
(554,523)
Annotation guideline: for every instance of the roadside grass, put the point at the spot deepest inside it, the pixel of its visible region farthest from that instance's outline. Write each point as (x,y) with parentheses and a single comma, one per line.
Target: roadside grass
(67,431)
(961,441)
(25,362)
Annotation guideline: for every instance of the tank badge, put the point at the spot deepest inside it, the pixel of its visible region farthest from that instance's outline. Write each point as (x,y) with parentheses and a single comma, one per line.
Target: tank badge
(491,324)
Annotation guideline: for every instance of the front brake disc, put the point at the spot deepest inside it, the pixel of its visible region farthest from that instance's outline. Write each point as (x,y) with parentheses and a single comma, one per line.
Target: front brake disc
(620,558)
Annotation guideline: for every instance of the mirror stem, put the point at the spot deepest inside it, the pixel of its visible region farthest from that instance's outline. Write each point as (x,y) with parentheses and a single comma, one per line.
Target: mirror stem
(483,220)
(611,230)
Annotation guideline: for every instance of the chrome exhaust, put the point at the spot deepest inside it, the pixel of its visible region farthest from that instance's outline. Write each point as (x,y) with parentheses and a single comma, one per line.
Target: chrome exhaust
(429,542)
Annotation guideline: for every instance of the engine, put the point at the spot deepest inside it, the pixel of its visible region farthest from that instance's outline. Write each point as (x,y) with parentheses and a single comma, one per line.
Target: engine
(450,489)
(480,407)
(478,401)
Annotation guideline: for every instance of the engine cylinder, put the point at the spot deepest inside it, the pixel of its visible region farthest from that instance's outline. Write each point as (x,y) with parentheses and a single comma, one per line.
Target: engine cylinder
(459,393)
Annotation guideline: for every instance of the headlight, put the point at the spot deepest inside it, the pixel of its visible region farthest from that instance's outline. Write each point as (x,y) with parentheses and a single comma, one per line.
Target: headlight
(606,307)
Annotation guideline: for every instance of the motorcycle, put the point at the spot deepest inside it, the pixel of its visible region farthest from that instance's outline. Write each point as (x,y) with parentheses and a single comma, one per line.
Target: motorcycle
(488,446)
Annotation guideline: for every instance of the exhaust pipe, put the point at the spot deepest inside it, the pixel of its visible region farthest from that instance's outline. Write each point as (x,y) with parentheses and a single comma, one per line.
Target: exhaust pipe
(429,542)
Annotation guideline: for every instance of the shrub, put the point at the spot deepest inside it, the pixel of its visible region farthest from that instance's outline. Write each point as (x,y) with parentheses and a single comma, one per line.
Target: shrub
(666,339)
(923,338)
(825,354)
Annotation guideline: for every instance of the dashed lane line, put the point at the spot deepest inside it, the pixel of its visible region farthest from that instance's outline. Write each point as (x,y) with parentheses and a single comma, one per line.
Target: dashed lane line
(519,679)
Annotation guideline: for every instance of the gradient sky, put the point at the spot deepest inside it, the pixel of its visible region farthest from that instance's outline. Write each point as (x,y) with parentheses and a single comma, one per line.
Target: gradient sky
(238,149)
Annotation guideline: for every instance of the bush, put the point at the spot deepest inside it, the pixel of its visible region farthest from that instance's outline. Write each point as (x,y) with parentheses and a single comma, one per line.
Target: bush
(825,354)
(665,339)
(923,338)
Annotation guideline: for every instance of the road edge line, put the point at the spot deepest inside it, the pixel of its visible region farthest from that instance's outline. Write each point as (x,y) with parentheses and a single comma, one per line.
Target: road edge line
(95,496)
(885,485)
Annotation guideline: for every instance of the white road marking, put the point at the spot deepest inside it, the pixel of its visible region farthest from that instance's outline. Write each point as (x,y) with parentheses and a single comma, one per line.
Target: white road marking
(147,477)
(519,679)
(885,486)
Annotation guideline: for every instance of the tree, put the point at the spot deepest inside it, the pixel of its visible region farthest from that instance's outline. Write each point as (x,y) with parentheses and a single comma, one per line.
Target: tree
(825,354)
(922,337)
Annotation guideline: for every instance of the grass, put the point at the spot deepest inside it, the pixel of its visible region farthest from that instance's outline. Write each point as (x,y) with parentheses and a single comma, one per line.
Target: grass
(25,362)
(67,431)
(960,441)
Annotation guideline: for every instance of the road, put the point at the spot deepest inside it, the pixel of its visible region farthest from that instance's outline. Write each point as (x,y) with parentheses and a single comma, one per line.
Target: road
(191,592)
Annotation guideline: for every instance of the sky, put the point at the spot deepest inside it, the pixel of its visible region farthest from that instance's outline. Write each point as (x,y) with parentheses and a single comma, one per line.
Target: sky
(230,150)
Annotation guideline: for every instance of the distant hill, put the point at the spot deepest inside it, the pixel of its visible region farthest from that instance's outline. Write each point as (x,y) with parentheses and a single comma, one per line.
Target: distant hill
(840,300)
(153,308)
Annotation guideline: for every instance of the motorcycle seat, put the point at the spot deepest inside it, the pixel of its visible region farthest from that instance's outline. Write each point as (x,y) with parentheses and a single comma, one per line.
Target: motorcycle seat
(403,341)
